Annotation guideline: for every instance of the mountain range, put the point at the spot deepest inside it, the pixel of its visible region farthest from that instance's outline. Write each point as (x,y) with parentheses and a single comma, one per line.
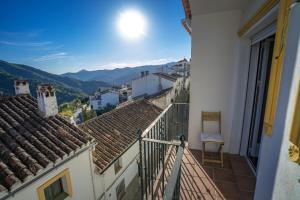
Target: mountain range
(67,88)
(117,76)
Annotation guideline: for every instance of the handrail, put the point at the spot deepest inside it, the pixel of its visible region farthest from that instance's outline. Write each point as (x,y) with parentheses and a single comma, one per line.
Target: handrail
(155,121)
(159,117)
(175,143)
(171,185)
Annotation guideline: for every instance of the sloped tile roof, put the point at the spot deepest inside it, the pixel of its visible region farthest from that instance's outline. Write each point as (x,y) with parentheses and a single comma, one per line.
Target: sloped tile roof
(166,76)
(115,131)
(30,143)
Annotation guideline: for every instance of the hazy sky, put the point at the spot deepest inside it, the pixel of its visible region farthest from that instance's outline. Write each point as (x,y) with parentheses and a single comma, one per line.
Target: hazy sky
(69,35)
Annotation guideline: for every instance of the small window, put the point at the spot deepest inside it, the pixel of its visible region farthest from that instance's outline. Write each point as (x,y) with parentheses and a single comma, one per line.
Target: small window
(120,190)
(57,188)
(47,94)
(51,94)
(118,165)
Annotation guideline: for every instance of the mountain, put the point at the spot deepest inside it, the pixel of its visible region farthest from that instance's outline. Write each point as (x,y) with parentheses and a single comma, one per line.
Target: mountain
(67,88)
(117,76)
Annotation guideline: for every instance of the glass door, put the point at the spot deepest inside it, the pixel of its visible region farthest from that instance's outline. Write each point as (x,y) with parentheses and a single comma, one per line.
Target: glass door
(259,98)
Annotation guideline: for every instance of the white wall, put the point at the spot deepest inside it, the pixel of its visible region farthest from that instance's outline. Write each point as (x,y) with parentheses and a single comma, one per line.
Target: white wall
(275,169)
(80,174)
(108,181)
(106,98)
(149,84)
(95,104)
(166,83)
(215,48)
(145,85)
(109,98)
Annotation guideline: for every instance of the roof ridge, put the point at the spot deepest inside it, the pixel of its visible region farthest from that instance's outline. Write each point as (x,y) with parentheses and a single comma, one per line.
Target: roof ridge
(115,110)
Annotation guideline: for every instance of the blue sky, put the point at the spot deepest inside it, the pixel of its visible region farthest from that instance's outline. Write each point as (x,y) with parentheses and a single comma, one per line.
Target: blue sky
(66,36)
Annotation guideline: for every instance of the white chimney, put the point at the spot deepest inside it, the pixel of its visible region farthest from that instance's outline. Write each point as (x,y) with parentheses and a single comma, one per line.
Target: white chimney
(46,98)
(21,87)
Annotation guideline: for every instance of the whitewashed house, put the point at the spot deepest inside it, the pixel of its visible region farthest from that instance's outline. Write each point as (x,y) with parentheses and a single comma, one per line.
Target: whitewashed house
(103,98)
(116,153)
(182,67)
(150,84)
(42,155)
(246,64)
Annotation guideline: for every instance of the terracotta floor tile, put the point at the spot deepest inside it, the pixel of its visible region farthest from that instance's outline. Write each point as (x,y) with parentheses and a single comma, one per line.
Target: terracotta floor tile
(229,190)
(224,175)
(241,167)
(246,195)
(246,183)
(210,181)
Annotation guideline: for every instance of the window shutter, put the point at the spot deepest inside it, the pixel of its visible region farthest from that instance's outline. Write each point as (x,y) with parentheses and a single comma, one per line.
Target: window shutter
(277,62)
(294,147)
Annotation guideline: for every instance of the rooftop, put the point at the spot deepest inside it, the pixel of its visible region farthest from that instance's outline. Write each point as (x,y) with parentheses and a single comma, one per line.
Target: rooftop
(116,130)
(29,143)
(169,77)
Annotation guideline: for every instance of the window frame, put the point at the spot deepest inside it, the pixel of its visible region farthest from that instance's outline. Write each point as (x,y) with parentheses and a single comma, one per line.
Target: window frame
(277,65)
(65,173)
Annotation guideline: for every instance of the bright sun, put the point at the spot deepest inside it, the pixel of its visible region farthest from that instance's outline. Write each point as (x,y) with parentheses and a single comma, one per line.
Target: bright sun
(131,24)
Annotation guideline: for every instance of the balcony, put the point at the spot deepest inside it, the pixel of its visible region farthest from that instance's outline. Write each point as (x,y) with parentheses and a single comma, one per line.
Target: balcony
(168,169)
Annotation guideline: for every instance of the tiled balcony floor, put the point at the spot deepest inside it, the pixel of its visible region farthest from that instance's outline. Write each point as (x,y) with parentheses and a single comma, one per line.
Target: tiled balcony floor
(234,181)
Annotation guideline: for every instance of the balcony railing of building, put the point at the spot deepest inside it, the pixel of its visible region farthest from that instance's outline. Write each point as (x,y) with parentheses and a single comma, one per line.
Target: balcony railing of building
(164,137)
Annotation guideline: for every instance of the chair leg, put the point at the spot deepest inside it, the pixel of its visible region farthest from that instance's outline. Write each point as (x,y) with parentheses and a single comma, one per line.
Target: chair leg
(203,150)
(221,152)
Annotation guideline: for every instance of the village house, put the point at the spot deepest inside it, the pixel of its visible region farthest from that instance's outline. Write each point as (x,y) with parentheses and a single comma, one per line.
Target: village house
(116,153)
(42,156)
(182,67)
(103,98)
(151,83)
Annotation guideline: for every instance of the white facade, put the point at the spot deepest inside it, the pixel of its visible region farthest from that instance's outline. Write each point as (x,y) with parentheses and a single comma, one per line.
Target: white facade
(106,183)
(182,67)
(81,179)
(101,99)
(219,79)
(149,85)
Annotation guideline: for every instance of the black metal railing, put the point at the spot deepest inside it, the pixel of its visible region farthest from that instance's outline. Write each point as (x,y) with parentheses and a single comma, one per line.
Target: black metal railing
(172,191)
(156,145)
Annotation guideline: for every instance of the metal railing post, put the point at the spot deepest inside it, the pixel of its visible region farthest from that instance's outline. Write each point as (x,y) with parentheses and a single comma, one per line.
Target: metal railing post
(140,163)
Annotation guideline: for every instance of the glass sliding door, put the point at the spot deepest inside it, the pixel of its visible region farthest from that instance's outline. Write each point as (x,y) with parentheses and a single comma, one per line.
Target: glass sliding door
(260,63)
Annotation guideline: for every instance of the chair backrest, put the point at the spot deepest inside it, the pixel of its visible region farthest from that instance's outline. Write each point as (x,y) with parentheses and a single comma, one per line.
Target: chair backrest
(212,117)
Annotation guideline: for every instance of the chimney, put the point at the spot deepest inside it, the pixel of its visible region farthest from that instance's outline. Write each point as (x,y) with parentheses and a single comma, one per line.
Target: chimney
(46,98)
(21,87)
(142,74)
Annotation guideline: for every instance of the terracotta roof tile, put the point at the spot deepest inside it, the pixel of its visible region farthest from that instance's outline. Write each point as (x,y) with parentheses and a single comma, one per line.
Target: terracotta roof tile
(29,142)
(115,131)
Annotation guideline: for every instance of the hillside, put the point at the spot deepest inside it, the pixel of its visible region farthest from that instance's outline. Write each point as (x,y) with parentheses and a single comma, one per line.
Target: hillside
(67,88)
(117,76)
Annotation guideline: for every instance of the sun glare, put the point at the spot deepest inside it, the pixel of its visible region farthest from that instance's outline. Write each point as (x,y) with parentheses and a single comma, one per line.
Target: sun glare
(131,24)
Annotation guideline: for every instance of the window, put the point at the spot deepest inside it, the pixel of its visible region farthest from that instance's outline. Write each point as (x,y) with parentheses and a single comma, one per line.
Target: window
(118,165)
(57,188)
(120,190)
